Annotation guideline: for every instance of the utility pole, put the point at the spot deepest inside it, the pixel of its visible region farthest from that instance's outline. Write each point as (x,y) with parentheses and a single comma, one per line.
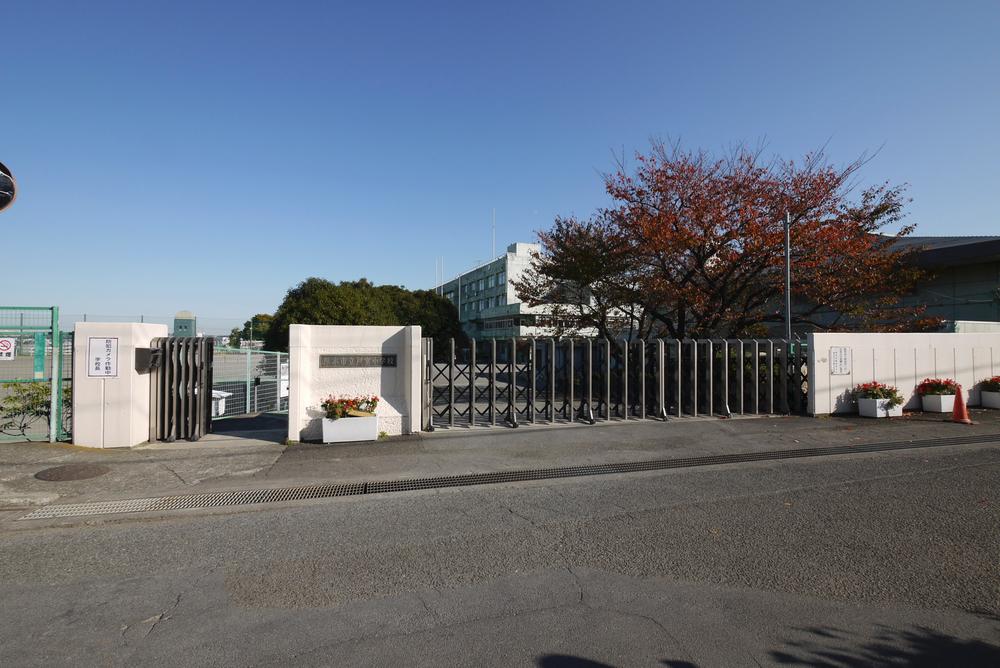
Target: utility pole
(788,276)
(493,228)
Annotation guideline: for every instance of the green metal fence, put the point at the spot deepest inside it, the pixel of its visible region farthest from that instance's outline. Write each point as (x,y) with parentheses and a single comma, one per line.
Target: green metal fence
(247,382)
(36,366)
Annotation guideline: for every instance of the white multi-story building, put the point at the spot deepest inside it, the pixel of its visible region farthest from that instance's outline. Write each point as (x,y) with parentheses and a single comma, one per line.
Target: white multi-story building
(487,304)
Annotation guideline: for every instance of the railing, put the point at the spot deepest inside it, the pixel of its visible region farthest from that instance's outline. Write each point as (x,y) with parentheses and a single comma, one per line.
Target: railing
(247,382)
(547,380)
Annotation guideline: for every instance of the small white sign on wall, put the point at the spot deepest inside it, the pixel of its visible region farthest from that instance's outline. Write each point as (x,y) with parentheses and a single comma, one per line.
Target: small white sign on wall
(8,347)
(283,380)
(102,357)
(840,361)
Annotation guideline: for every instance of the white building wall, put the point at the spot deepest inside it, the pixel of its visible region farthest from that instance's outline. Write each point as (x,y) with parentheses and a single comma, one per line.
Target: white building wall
(902,360)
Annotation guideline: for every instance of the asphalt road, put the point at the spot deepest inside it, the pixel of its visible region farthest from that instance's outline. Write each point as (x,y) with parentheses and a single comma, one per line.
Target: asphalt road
(880,559)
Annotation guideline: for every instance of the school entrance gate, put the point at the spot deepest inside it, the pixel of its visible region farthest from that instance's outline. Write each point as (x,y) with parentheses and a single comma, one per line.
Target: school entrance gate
(548,380)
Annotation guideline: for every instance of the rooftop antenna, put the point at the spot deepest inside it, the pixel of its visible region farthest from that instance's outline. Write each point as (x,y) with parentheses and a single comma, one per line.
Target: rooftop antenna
(494,230)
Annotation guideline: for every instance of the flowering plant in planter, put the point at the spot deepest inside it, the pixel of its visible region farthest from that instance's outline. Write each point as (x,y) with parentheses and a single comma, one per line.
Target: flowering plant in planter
(339,407)
(936,386)
(876,390)
(990,392)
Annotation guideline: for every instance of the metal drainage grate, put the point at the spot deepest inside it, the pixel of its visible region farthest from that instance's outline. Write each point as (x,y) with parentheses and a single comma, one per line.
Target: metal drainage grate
(255,496)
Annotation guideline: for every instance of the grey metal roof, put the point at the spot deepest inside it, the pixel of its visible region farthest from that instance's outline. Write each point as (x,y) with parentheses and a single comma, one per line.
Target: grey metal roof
(947,251)
(931,243)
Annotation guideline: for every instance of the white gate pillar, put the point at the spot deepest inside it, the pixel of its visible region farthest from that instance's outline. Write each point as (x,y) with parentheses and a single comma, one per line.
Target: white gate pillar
(110,398)
(348,360)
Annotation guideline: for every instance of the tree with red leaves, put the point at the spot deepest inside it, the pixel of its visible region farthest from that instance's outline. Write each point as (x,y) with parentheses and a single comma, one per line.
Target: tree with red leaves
(694,247)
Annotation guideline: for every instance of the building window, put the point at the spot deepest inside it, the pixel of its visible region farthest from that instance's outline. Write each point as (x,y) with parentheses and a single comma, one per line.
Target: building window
(490,281)
(501,278)
(450,296)
(480,284)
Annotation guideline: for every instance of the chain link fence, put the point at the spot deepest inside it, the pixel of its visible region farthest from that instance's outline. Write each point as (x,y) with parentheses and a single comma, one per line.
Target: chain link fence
(247,382)
(35,403)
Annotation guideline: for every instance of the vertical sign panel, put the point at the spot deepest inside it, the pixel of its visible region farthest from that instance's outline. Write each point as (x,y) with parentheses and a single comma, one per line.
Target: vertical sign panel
(102,357)
(840,361)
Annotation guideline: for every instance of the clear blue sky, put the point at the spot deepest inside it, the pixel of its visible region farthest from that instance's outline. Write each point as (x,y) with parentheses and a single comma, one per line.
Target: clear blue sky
(209,155)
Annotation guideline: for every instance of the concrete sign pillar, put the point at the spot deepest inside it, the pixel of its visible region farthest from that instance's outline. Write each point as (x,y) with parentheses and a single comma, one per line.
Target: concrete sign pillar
(110,399)
(344,360)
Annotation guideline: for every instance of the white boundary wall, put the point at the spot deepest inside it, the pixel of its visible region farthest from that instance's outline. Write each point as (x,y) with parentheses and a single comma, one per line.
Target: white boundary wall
(112,412)
(398,388)
(902,360)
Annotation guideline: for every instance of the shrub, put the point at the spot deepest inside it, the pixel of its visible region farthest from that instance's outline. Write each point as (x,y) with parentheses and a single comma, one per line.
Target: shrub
(991,384)
(876,390)
(338,407)
(29,405)
(937,386)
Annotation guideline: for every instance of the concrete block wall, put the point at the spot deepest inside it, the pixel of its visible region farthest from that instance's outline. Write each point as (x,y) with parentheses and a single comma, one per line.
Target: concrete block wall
(902,360)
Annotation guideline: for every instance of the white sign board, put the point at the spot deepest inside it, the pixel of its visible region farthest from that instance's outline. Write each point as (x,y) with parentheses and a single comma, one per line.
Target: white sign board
(7,348)
(840,361)
(102,357)
(283,381)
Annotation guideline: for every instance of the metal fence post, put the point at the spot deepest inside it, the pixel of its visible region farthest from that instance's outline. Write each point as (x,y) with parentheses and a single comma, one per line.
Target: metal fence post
(642,380)
(512,385)
(725,379)
(742,373)
(552,380)
(534,373)
(625,379)
(607,379)
(570,395)
(661,384)
(589,415)
(680,366)
(451,383)
(248,384)
(783,384)
(755,370)
(472,383)
(277,376)
(493,382)
(55,406)
(770,376)
(694,376)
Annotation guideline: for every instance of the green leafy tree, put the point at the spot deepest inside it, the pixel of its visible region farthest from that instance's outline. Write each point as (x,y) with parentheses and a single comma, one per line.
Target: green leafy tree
(254,329)
(317,301)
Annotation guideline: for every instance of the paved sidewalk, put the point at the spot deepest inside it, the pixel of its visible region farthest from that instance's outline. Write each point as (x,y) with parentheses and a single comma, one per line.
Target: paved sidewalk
(239,456)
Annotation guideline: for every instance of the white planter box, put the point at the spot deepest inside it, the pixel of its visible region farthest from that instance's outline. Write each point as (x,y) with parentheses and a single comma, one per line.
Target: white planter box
(990,399)
(877,408)
(350,429)
(938,403)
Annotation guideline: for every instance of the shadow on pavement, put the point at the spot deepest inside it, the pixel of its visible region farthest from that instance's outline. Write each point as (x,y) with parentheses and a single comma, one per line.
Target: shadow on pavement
(568,661)
(916,647)
(272,427)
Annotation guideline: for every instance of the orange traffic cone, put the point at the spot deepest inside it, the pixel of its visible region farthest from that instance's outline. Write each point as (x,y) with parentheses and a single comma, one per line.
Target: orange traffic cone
(960,413)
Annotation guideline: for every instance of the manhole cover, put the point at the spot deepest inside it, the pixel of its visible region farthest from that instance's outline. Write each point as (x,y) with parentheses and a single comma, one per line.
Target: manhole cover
(72,472)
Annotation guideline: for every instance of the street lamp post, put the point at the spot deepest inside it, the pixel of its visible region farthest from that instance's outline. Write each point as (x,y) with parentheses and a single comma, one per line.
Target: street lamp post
(788,276)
